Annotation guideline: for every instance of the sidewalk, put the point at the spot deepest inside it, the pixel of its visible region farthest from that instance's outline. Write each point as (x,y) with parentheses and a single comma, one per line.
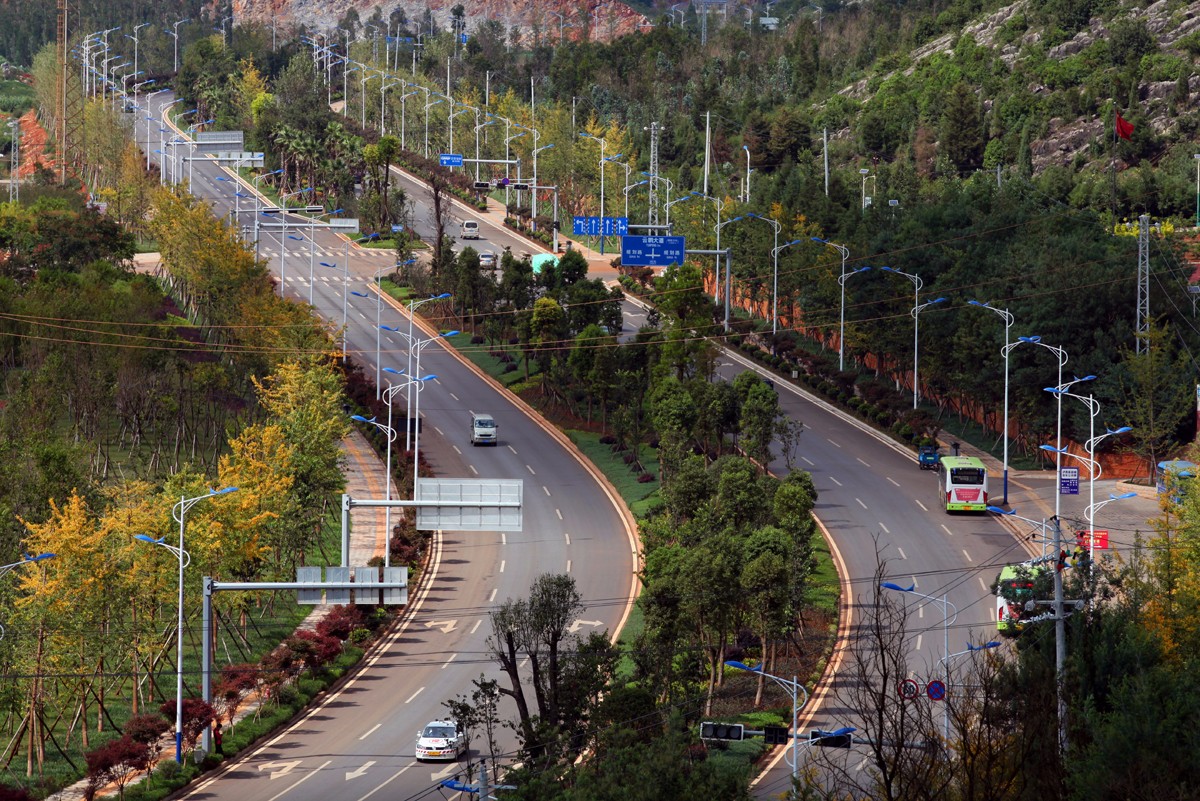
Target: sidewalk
(1031,494)
(364,473)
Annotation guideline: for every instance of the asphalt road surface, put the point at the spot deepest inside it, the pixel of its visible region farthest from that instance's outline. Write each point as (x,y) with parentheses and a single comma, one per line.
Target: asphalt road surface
(359,743)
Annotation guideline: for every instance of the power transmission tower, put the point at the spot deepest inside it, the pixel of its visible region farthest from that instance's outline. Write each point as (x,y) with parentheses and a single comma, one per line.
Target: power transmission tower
(68,99)
(654,131)
(1143,283)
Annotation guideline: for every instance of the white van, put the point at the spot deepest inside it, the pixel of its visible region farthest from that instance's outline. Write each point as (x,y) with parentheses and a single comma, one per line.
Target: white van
(483,430)
(470,230)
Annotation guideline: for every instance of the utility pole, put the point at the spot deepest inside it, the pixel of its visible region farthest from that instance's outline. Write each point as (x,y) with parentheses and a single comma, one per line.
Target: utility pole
(1143,283)
(707,130)
(825,151)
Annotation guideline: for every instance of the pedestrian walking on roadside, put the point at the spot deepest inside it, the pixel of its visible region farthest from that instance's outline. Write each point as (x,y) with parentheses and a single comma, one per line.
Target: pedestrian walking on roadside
(217,737)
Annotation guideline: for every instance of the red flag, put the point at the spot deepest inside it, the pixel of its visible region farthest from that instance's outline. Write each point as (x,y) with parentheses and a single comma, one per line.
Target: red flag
(1124,127)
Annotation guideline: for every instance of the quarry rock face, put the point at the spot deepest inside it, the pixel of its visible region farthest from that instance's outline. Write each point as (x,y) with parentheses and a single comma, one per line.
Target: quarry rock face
(611,21)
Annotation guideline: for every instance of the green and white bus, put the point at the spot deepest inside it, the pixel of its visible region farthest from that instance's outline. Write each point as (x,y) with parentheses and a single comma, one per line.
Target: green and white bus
(962,484)
(1014,587)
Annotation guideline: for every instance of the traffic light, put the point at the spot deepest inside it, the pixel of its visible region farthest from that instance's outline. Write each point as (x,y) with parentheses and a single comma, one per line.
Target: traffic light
(557,227)
(721,731)
(776,735)
(830,739)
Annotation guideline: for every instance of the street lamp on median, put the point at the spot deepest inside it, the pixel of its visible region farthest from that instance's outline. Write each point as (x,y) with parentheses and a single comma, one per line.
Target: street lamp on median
(179,513)
(413,305)
(345,286)
(794,686)
(414,349)
(1007,316)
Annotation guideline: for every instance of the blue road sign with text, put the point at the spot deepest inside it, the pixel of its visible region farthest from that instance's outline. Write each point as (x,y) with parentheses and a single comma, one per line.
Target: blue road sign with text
(1068,481)
(450,159)
(652,251)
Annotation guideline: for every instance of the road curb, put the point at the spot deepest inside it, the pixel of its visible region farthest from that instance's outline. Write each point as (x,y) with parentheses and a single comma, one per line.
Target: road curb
(614,497)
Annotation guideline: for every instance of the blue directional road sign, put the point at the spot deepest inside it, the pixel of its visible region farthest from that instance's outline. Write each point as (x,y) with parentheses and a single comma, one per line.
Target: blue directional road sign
(652,251)
(450,159)
(590,225)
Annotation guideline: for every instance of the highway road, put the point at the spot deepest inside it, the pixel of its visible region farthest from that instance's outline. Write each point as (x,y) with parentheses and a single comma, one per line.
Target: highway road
(359,743)
(871,493)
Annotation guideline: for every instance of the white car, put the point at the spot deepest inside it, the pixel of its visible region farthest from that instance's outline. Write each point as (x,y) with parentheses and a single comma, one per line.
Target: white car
(440,740)
(487,260)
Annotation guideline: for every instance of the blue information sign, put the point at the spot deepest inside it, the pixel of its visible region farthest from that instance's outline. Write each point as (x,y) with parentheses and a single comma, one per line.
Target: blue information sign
(1068,481)
(590,225)
(450,159)
(652,251)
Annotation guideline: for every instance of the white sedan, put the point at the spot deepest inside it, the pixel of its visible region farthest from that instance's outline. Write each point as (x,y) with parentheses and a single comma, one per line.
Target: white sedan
(440,739)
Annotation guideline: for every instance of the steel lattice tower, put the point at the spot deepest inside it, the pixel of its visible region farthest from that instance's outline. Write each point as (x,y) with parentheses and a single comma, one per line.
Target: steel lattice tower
(652,218)
(1143,283)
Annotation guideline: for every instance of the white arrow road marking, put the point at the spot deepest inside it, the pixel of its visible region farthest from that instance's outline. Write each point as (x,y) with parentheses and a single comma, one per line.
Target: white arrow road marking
(386,782)
(282,793)
(446,626)
(578,624)
(279,769)
(354,774)
(444,772)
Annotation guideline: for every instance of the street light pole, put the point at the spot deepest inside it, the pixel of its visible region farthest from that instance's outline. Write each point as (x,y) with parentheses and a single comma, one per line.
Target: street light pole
(794,686)
(1008,318)
(947,622)
(387,481)
(179,513)
(918,307)
(775,282)
(603,145)
(946,660)
(845,253)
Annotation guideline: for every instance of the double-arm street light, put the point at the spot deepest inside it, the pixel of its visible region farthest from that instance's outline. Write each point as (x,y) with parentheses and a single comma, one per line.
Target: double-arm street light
(1007,316)
(844,252)
(794,686)
(378,311)
(345,286)
(778,227)
(917,308)
(179,513)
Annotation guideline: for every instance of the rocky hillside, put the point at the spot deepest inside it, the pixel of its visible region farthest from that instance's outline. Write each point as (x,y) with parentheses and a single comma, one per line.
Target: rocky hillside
(614,19)
(1173,27)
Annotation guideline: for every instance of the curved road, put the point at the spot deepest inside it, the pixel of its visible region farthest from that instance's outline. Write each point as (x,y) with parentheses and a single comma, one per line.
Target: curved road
(870,491)
(359,743)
